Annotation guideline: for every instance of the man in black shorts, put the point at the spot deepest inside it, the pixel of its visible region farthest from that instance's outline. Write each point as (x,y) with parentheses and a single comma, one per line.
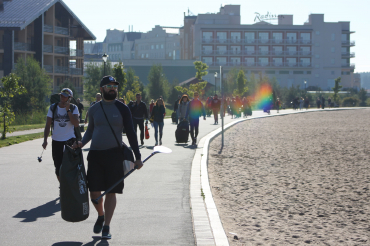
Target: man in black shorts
(105,159)
(63,122)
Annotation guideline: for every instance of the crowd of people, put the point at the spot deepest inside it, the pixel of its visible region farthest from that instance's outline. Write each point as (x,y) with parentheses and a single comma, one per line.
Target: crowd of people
(109,117)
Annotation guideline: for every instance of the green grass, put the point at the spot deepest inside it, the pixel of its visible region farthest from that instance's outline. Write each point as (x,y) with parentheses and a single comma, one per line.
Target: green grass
(27,127)
(168,113)
(20,139)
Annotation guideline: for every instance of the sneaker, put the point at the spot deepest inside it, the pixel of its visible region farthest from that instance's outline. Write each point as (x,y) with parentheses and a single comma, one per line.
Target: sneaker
(142,142)
(106,234)
(160,142)
(98,227)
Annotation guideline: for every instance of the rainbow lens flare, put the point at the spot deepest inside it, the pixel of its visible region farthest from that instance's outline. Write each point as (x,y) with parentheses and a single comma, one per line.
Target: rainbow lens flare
(263,97)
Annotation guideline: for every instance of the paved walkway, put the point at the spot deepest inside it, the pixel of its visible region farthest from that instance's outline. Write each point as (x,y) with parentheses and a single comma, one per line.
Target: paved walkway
(154,209)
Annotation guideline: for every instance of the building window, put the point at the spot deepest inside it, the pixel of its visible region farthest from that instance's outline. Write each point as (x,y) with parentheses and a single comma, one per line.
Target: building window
(235,37)
(249,50)
(235,50)
(249,61)
(235,60)
(157,46)
(277,61)
(263,61)
(263,50)
(207,36)
(221,50)
(333,37)
(207,60)
(332,49)
(263,37)
(162,46)
(222,37)
(291,37)
(277,50)
(305,51)
(147,55)
(207,49)
(221,60)
(332,72)
(297,72)
(332,61)
(277,37)
(291,50)
(292,62)
(170,54)
(152,46)
(249,37)
(283,72)
(305,62)
(270,72)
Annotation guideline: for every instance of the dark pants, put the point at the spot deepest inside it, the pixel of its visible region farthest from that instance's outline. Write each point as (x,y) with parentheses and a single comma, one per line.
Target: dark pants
(141,127)
(194,128)
(57,149)
(215,114)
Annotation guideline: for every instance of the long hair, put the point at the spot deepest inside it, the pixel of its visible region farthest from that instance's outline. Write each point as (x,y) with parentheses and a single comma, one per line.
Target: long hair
(183,97)
(156,102)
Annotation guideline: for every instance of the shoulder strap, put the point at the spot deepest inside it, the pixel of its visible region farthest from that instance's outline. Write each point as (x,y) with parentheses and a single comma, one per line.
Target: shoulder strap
(109,125)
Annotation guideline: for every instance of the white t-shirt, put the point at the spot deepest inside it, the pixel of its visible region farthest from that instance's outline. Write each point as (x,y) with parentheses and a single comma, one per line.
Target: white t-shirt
(63,128)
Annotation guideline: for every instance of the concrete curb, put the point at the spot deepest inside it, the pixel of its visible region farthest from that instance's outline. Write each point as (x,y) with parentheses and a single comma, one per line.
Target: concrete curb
(207,225)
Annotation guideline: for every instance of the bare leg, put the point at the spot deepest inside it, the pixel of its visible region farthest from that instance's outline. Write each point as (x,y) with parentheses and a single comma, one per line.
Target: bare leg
(99,206)
(109,206)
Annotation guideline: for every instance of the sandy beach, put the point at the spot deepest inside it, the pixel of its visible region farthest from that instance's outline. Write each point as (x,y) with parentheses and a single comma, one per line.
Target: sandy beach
(295,180)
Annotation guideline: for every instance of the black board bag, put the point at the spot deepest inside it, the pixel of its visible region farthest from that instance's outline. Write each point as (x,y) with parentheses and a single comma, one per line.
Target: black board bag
(74,197)
(174,117)
(182,132)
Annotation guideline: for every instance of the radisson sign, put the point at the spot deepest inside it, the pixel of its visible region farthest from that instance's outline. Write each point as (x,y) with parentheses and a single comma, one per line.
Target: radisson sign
(266,17)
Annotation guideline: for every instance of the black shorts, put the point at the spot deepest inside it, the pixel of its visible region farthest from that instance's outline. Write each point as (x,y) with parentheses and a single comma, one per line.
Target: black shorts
(57,148)
(105,167)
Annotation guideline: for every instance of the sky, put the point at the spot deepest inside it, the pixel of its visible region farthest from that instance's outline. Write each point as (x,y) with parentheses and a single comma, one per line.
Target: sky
(143,15)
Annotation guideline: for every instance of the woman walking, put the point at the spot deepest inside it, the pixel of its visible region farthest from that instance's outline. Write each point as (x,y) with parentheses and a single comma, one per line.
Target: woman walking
(183,105)
(159,111)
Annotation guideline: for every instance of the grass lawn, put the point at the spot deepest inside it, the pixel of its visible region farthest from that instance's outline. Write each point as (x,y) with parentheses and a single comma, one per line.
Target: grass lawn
(28,127)
(168,113)
(19,139)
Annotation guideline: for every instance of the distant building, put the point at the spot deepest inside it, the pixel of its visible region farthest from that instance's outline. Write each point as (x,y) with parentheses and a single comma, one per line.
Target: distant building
(45,30)
(316,52)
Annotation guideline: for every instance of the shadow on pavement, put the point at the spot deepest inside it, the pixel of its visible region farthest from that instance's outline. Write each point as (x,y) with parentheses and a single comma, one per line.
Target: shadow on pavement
(45,210)
(183,144)
(95,242)
(191,146)
(150,147)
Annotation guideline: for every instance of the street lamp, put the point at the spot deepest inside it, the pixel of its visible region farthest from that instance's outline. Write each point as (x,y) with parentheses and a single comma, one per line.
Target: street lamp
(305,82)
(215,81)
(105,57)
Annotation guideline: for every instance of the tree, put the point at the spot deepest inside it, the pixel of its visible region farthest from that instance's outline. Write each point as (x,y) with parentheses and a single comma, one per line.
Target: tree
(133,86)
(158,84)
(37,84)
(201,70)
(230,84)
(94,74)
(336,89)
(199,87)
(241,82)
(120,76)
(10,89)
(362,96)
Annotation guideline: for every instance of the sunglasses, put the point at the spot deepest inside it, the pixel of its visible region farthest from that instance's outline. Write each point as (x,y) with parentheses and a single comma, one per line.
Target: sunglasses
(111,86)
(67,92)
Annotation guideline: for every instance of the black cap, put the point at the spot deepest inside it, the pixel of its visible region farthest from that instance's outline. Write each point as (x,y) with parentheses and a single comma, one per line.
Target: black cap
(108,79)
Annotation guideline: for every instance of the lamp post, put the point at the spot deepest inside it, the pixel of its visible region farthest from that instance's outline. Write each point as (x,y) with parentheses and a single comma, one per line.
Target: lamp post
(215,82)
(305,82)
(105,57)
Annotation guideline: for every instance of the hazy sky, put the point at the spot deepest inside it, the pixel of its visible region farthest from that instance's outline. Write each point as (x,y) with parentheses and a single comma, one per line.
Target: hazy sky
(100,15)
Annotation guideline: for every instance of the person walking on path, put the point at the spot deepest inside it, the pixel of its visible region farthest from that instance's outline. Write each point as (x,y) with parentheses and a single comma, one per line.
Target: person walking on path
(105,157)
(216,104)
(322,102)
(301,101)
(98,99)
(318,102)
(329,102)
(80,108)
(306,103)
(183,105)
(139,112)
(158,112)
(194,110)
(175,107)
(63,122)
(278,103)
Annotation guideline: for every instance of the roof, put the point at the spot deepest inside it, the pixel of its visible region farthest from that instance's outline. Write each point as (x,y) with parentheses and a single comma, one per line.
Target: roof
(18,14)
(131,36)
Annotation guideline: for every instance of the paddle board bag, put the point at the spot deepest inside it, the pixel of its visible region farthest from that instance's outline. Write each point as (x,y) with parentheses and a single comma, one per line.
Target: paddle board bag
(74,197)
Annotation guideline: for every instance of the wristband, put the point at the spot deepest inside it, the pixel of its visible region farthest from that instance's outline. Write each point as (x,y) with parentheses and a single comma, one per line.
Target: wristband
(68,110)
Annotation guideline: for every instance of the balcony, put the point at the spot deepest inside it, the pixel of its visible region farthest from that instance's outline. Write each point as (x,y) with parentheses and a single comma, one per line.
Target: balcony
(61,50)
(61,69)
(61,30)
(76,71)
(255,41)
(348,43)
(48,68)
(255,53)
(48,28)
(23,46)
(1,45)
(47,48)
(348,54)
(74,52)
(262,64)
(348,65)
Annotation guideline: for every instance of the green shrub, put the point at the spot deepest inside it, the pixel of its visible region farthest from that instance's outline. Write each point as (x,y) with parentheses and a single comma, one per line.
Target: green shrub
(36,117)
(350,102)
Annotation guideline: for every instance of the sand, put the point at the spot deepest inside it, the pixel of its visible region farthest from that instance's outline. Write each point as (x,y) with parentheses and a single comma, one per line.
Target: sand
(295,180)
